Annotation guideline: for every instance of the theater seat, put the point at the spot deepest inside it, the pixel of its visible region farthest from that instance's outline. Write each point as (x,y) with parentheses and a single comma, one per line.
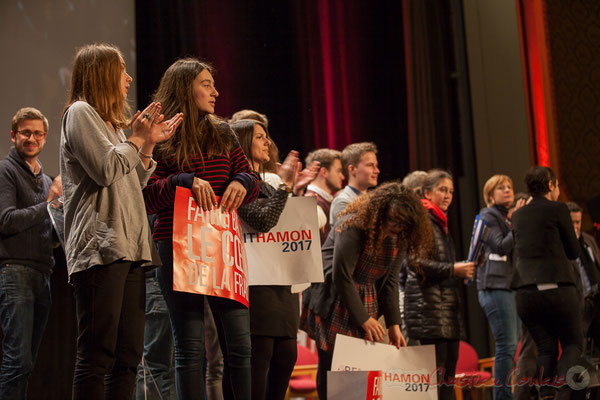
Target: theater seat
(303,382)
(471,372)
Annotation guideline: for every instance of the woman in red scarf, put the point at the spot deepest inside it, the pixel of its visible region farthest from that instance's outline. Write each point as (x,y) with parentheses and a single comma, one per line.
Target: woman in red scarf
(433,306)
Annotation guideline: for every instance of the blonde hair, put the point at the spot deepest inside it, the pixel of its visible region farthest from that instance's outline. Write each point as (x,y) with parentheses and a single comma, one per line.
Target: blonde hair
(491,185)
(96,80)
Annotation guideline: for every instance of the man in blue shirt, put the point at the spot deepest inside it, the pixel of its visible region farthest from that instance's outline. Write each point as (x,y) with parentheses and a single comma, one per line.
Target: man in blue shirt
(25,250)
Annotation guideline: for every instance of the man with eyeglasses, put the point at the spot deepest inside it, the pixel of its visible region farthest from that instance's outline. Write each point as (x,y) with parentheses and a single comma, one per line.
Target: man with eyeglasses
(25,250)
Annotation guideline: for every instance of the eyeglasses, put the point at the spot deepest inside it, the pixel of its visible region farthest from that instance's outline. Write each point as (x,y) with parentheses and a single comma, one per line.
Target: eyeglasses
(36,134)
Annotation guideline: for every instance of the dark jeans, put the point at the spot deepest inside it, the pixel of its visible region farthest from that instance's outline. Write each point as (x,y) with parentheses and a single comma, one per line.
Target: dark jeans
(273,360)
(186,311)
(110,303)
(325,360)
(155,372)
(24,307)
(446,356)
(500,307)
(551,316)
(214,356)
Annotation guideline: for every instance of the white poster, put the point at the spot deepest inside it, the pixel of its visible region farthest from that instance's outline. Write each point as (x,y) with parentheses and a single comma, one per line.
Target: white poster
(408,372)
(290,253)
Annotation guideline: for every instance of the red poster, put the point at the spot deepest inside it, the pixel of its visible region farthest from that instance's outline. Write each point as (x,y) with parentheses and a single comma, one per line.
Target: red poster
(375,385)
(208,251)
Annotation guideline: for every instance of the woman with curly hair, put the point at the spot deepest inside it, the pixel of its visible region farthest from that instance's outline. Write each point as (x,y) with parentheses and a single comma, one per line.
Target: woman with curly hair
(361,259)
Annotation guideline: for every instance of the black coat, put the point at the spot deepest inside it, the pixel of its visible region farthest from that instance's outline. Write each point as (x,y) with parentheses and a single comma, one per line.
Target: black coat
(433,306)
(545,241)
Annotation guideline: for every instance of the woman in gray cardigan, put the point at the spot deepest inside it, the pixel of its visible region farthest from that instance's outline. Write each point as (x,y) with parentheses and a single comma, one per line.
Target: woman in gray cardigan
(107,237)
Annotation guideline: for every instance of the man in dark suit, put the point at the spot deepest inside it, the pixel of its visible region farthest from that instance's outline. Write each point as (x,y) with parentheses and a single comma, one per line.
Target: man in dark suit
(547,300)
(587,266)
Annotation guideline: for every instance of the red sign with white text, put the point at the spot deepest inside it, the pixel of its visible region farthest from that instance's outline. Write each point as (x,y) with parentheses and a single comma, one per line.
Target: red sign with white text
(209,256)
(375,385)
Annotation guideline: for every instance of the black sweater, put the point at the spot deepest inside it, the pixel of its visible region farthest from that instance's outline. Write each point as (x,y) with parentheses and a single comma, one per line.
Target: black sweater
(25,227)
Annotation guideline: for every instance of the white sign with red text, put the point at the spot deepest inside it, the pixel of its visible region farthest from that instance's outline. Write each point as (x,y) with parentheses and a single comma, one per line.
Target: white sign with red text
(408,372)
(290,253)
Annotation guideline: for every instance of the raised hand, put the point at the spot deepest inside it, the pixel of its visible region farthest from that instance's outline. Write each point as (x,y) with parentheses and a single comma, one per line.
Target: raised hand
(163,130)
(149,126)
(288,169)
(305,176)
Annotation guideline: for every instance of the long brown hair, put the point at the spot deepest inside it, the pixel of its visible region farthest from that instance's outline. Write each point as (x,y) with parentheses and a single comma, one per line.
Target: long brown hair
(271,165)
(199,132)
(96,79)
(369,212)
(244,130)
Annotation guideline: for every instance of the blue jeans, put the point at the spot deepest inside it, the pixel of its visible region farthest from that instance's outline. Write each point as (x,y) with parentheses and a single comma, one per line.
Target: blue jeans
(155,375)
(25,302)
(186,311)
(500,307)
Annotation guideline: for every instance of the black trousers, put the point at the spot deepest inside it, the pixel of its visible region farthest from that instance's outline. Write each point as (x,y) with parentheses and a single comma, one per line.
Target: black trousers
(524,388)
(273,360)
(325,360)
(110,303)
(446,356)
(551,316)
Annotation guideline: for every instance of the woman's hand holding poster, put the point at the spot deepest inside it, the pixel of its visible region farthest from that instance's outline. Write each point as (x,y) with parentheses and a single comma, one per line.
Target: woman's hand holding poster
(208,251)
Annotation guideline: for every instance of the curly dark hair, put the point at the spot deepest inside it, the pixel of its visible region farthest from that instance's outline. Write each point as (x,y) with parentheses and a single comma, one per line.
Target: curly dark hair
(369,212)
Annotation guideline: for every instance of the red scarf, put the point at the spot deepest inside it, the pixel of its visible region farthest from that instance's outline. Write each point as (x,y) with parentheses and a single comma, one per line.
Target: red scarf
(437,213)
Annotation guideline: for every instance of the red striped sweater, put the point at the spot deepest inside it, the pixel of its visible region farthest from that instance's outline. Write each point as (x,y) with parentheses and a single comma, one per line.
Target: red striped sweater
(219,171)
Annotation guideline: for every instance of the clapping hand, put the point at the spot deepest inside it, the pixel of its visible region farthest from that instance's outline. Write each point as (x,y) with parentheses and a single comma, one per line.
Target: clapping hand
(151,126)
(289,169)
(305,176)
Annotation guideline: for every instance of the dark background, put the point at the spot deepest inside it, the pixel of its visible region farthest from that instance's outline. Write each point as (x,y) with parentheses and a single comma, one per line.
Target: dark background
(275,57)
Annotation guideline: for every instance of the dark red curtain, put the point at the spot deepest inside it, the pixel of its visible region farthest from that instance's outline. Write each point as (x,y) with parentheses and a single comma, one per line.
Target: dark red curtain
(326,73)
